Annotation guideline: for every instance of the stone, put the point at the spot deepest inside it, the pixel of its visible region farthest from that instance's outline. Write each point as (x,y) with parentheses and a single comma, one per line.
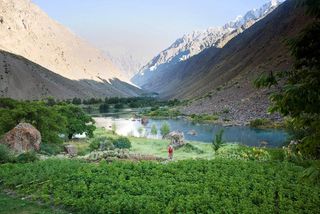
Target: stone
(144,121)
(192,132)
(71,150)
(22,138)
(177,139)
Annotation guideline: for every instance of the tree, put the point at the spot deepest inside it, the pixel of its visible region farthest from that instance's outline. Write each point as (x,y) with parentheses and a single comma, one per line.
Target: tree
(76,101)
(154,130)
(77,120)
(299,96)
(104,108)
(217,143)
(165,129)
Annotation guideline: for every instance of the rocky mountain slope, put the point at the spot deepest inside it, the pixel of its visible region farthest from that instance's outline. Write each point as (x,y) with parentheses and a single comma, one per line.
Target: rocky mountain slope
(220,80)
(27,31)
(198,41)
(21,78)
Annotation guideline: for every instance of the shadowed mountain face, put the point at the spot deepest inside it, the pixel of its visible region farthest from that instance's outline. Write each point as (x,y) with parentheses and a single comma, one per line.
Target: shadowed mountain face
(198,41)
(22,79)
(221,79)
(25,30)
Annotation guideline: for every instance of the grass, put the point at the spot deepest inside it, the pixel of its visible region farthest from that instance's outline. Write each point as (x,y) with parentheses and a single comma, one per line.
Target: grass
(193,150)
(12,205)
(158,147)
(263,123)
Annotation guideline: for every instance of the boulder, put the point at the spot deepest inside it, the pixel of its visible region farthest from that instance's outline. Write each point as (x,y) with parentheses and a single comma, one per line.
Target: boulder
(22,138)
(192,132)
(71,150)
(144,121)
(177,139)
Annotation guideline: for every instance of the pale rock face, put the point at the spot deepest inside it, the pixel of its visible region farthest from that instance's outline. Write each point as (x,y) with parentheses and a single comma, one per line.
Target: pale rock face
(27,31)
(197,41)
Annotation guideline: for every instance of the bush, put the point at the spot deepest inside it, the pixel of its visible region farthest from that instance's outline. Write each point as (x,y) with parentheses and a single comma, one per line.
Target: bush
(218,142)
(118,106)
(101,143)
(104,108)
(122,143)
(6,155)
(27,157)
(260,123)
(165,129)
(51,148)
(191,148)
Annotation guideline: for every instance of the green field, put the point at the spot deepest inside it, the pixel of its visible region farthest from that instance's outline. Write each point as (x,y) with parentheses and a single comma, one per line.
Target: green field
(190,186)
(12,205)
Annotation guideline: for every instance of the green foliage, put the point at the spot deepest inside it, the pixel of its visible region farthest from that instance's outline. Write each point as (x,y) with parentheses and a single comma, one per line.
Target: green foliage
(162,113)
(104,108)
(14,205)
(260,123)
(118,106)
(50,118)
(165,129)
(101,142)
(299,97)
(218,142)
(77,120)
(229,186)
(51,148)
(140,102)
(27,157)
(191,148)
(76,101)
(92,101)
(108,143)
(200,118)
(45,118)
(122,143)
(6,155)
(154,130)
(312,173)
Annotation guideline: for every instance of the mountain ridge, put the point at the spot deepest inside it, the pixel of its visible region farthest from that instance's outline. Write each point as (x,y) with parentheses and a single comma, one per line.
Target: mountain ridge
(197,41)
(27,31)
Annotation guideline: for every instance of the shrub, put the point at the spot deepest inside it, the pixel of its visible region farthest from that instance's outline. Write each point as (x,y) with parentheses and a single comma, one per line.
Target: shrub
(154,130)
(218,142)
(27,157)
(101,143)
(260,123)
(165,129)
(118,106)
(6,155)
(104,108)
(191,148)
(51,148)
(122,143)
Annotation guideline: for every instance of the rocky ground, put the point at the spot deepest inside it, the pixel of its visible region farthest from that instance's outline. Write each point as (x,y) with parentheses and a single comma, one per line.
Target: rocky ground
(236,103)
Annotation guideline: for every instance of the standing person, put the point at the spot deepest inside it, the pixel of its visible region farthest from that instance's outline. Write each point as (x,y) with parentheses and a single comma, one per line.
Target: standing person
(170,152)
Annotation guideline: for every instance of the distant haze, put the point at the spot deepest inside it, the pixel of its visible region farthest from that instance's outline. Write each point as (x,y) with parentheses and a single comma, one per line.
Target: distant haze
(141,28)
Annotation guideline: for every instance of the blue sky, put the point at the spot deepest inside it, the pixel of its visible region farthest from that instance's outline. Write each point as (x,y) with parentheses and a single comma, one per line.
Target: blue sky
(141,27)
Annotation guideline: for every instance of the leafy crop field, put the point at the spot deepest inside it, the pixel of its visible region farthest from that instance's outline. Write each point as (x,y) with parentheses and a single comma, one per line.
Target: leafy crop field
(190,186)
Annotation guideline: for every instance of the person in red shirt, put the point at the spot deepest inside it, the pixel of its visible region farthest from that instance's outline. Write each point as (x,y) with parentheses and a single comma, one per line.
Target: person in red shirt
(170,152)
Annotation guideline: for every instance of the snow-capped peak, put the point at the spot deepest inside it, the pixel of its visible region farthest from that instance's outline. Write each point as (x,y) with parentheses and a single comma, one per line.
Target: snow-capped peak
(195,42)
